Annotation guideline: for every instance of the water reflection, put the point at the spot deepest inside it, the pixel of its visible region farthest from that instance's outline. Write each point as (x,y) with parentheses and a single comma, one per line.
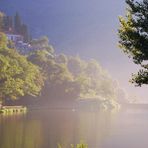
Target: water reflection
(18,132)
(95,127)
(48,128)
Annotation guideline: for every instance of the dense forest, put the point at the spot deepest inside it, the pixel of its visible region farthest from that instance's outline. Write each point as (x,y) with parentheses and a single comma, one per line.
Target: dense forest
(43,77)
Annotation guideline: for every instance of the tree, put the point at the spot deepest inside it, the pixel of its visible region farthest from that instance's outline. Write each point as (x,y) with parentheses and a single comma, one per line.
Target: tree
(58,78)
(17,23)
(42,44)
(62,58)
(70,76)
(1,21)
(21,28)
(133,34)
(8,23)
(24,32)
(18,77)
(3,40)
(75,65)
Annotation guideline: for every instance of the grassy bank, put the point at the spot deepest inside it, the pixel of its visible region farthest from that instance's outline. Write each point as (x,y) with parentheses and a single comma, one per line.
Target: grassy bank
(77,146)
(12,109)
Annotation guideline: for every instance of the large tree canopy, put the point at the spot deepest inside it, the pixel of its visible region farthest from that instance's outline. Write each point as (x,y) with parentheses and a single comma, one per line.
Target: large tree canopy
(18,77)
(65,78)
(133,34)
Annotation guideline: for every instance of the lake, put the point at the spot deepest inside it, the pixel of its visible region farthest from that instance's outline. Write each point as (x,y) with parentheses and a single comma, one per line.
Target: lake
(45,129)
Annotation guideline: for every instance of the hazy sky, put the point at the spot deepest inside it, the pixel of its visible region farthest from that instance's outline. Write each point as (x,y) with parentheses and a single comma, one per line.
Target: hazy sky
(81,27)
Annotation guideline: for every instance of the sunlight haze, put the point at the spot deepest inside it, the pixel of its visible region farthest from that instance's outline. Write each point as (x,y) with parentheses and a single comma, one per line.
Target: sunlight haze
(81,27)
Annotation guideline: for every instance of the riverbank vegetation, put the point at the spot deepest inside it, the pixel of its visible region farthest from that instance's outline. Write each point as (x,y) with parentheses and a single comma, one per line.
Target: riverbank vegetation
(43,77)
(81,145)
(8,110)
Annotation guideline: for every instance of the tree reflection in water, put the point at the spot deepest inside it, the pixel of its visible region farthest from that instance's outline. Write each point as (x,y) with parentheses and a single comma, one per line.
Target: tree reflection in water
(48,128)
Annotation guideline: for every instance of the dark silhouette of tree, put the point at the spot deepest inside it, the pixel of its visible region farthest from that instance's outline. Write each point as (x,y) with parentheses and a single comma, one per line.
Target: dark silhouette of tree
(1,21)
(17,23)
(8,23)
(14,25)
(21,28)
(24,32)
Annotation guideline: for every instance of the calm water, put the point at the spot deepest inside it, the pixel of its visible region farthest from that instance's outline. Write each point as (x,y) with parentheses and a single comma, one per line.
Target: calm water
(124,129)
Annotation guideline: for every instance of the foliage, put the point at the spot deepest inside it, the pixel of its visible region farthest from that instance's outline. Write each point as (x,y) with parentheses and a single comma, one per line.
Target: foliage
(64,77)
(71,76)
(81,145)
(57,78)
(3,40)
(19,27)
(18,77)
(1,21)
(133,34)
(42,44)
